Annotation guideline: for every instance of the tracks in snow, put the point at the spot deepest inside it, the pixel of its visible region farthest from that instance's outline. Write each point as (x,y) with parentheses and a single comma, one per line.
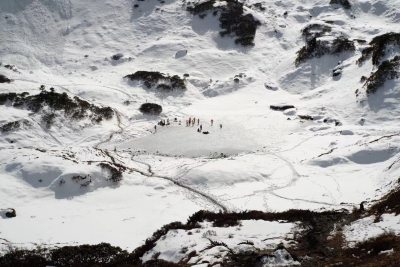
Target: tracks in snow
(150,173)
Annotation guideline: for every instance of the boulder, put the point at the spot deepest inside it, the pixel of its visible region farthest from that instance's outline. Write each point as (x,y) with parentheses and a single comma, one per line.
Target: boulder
(11,213)
(150,109)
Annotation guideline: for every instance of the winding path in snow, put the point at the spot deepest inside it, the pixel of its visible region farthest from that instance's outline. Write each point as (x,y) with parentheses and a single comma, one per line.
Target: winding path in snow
(150,173)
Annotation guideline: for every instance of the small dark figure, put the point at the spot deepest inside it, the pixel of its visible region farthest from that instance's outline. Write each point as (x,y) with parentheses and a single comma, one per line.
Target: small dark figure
(198,121)
(201,127)
(175,119)
(198,130)
(220,126)
(206,132)
(155,128)
(212,122)
(362,208)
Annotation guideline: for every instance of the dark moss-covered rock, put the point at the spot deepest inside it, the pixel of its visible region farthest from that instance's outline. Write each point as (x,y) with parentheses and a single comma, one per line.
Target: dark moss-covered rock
(315,31)
(378,47)
(388,70)
(316,48)
(158,80)
(232,20)
(202,7)
(74,108)
(115,171)
(344,3)
(14,125)
(150,109)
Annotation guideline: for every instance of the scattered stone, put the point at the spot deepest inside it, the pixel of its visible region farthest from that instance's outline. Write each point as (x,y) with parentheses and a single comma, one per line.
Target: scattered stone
(281,108)
(337,71)
(346,132)
(335,121)
(306,117)
(11,213)
(117,56)
(181,53)
(270,87)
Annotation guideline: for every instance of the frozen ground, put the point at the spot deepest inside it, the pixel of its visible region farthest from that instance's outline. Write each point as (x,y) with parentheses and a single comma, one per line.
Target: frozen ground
(260,159)
(369,227)
(176,245)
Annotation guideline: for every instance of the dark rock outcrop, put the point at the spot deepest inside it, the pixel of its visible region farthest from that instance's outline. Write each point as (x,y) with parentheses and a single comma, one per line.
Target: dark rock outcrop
(388,70)
(344,3)
(316,48)
(158,80)
(11,213)
(281,108)
(378,47)
(150,109)
(74,108)
(232,20)
(4,79)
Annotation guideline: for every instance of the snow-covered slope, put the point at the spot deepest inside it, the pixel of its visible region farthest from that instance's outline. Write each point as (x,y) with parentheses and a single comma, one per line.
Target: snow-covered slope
(333,149)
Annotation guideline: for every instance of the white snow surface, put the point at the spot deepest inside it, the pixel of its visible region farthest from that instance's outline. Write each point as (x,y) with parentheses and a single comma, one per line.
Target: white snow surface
(368,227)
(260,159)
(177,244)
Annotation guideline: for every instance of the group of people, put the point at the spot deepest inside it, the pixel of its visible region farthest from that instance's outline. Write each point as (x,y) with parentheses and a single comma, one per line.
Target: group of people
(190,122)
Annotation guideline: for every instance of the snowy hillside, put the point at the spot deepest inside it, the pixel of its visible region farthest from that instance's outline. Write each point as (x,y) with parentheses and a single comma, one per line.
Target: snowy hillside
(297,103)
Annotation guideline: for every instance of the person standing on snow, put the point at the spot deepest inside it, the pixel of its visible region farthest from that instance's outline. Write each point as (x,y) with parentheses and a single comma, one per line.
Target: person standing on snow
(155,128)
(220,126)
(212,122)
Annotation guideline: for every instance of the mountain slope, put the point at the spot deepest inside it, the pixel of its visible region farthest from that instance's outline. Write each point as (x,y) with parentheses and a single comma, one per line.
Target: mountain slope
(124,178)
